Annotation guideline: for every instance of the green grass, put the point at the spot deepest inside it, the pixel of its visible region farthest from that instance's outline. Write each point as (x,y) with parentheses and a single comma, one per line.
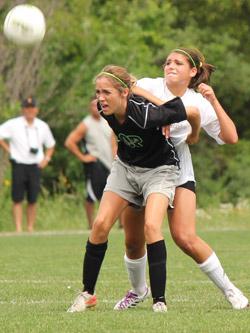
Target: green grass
(41,273)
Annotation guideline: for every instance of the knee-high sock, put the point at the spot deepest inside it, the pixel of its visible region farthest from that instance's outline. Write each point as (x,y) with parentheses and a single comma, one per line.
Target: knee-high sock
(136,269)
(213,269)
(157,257)
(93,259)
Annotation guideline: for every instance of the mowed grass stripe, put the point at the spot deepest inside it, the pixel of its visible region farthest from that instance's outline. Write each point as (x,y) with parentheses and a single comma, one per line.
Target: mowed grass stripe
(36,272)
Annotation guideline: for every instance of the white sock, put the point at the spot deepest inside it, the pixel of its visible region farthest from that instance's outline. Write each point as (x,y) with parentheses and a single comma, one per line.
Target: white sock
(213,269)
(137,273)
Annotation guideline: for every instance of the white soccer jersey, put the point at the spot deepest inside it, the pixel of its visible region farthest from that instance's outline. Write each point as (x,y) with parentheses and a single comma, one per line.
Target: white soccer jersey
(22,137)
(180,131)
(98,139)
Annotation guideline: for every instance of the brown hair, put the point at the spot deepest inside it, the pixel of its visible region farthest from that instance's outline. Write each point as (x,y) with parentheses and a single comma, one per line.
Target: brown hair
(196,59)
(118,75)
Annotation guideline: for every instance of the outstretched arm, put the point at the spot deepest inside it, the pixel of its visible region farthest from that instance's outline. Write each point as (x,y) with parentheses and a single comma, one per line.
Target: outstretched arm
(147,95)
(228,132)
(193,115)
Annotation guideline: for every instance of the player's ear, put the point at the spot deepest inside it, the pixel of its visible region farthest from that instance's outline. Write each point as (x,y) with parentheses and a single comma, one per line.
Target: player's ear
(193,71)
(125,92)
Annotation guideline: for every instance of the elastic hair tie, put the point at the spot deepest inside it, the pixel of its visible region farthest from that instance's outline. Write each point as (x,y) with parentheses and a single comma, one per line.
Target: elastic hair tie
(114,77)
(187,54)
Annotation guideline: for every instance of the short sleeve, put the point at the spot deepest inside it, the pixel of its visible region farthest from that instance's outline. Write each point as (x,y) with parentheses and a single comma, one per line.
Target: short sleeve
(49,140)
(145,83)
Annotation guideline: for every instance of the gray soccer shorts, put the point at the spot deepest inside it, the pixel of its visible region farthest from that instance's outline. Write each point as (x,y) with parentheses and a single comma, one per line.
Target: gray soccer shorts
(135,184)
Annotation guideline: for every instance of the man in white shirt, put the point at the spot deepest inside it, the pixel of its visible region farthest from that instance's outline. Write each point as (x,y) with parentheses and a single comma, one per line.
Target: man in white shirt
(24,139)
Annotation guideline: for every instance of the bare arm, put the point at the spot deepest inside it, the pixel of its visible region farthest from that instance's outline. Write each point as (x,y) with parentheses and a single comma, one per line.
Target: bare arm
(5,146)
(146,94)
(228,132)
(72,143)
(193,115)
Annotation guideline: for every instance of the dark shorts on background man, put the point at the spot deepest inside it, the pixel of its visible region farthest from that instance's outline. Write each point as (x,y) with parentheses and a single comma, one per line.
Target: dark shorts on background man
(25,180)
(96,174)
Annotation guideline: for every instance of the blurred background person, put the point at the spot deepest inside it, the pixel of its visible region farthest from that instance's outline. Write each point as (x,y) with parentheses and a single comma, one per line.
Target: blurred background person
(30,144)
(93,142)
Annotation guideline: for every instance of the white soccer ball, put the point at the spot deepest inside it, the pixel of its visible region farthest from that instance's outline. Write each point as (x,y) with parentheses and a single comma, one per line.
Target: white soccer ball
(25,25)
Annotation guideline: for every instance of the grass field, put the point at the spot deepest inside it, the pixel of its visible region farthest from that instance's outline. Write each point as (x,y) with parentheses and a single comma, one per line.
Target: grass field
(40,275)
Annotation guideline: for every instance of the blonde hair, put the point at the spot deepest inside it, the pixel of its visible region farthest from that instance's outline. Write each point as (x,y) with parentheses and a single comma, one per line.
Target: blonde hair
(119,76)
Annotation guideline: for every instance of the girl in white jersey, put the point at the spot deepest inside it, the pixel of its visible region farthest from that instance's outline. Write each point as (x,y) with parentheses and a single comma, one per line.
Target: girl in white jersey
(185,75)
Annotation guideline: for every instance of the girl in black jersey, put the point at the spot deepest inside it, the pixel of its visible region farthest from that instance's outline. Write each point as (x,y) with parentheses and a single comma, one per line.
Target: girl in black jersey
(144,173)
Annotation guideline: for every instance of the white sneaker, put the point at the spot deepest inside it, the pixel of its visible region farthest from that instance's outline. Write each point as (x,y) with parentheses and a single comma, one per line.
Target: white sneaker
(131,300)
(235,297)
(160,307)
(83,301)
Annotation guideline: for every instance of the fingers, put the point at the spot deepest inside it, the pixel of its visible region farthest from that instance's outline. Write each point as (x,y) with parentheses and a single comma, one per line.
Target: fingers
(206,91)
(166,131)
(192,139)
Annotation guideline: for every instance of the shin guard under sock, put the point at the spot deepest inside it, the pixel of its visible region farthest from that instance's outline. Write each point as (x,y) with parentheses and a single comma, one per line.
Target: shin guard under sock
(93,259)
(157,257)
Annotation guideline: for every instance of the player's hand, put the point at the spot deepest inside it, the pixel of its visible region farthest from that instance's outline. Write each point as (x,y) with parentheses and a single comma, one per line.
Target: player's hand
(87,158)
(192,138)
(166,131)
(207,92)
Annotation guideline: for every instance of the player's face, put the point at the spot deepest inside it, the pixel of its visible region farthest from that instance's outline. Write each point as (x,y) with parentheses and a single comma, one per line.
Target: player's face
(111,99)
(30,113)
(177,70)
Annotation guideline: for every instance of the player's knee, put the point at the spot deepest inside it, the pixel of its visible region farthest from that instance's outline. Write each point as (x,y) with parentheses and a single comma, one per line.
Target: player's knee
(100,228)
(152,231)
(185,241)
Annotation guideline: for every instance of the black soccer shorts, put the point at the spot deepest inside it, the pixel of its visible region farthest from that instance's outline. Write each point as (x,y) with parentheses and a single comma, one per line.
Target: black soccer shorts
(96,174)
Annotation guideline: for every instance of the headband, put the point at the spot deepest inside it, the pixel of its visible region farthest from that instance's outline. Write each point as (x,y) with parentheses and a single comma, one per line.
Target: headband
(188,55)
(114,77)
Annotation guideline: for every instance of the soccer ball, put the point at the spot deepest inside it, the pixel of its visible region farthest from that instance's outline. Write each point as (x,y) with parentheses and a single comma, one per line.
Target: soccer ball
(25,25)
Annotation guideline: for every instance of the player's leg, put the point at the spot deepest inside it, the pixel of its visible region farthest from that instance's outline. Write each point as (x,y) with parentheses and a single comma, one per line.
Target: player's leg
(89,206)
(183,230)
(110,208)
(96,176)
(91,196)
(135,258)
(155,212)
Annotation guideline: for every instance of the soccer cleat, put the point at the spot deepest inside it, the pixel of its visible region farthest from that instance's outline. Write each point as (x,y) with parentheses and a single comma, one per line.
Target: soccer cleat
(131,300)
(160,307)
(235,297)
(83,301)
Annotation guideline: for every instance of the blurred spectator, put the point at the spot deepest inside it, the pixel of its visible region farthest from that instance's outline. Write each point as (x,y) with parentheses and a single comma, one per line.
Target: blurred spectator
(98,149)
(24,139)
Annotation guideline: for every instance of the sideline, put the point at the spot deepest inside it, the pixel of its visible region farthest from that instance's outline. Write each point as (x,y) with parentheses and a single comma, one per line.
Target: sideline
(50,233)
(44,233)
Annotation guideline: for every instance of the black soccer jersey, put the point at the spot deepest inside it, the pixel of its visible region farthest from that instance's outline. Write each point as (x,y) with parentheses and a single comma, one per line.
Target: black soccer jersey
(140,140)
